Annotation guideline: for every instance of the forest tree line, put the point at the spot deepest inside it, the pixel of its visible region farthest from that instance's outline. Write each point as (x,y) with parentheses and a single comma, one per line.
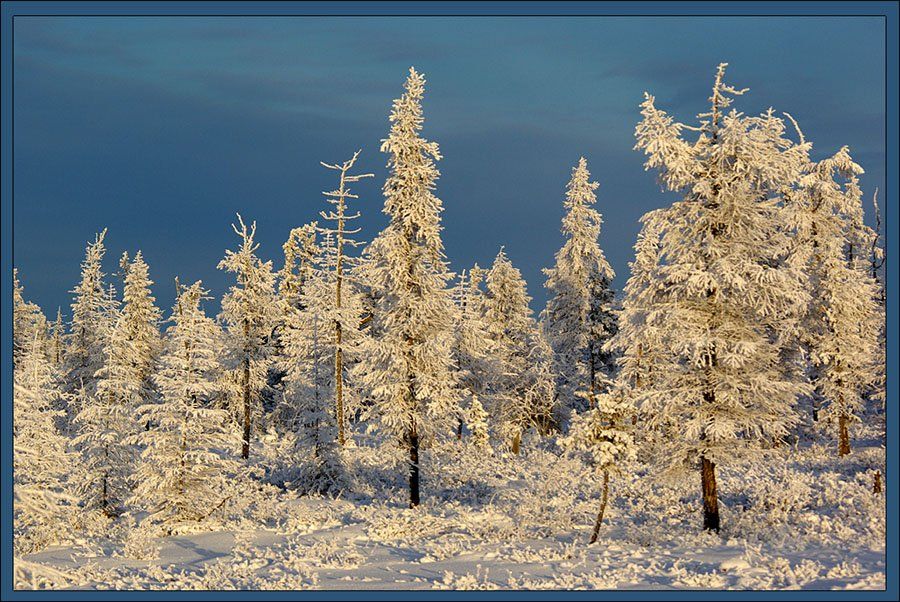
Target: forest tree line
(755,304)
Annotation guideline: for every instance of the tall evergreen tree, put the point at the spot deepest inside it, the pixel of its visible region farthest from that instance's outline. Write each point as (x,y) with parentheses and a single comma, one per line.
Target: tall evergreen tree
(343,238)
(250,313)
(731,300)
(184,471)
(842,324)
(578,319)
(41,461)
(474,352)
(522,391)
(90,311)
(310,342)
(106,418)
(409,371)
(139,321)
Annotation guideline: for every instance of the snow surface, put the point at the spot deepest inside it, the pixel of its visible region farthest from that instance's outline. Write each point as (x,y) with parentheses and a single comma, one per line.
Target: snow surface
(523,522)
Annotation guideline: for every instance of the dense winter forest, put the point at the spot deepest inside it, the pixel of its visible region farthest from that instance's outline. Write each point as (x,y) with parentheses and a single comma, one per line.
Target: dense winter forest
(361,416)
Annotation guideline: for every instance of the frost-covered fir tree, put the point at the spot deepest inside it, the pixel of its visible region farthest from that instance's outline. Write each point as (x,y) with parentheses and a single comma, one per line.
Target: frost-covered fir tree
(343,237)
(41,463)
(299,256)
(300,252)
(578,319)
(719,390)
(639,341)
(408,371)
(106,419)
(877,259)
(522,391)
(603,433)
(90,309)
(250,314)
(185,466)
(28,321)
(473,348)
(309,346)
(138,327)
(842,324)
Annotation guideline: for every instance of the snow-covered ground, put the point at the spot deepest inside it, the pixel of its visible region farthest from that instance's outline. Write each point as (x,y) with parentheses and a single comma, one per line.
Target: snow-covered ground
(503,521)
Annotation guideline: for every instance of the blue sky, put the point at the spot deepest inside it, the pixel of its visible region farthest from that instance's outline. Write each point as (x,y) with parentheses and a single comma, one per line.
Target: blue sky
(162,128)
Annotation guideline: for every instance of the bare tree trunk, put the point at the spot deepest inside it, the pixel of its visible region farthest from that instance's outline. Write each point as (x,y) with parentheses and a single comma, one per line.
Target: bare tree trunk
(603,498)
(245,385)
(710,495)
(413,467)
(876,486)
(843,435)
(339,380)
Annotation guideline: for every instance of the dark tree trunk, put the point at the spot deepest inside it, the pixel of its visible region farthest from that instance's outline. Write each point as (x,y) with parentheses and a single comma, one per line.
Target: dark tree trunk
(459,429)
(843,435)
(876,486)
(710,495)
(413,468)
(245,448)
(603,498)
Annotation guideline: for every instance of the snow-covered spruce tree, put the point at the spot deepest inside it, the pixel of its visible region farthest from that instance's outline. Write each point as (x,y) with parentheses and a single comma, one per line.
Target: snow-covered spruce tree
(28,321)
(299,254)
(250,314)
(84,347)
(842,324)
(309,346)
(877,259)
(106,419)
(730,301)
(138,325)
(408,370)
(473,348)
(342,237)
(522,391)
(638,341)
(578,318)
(603,433)
(185,467)
(41,463)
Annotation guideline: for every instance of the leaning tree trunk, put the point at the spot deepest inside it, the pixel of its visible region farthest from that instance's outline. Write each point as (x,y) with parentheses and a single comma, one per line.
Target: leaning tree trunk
(710,495)
(603,498)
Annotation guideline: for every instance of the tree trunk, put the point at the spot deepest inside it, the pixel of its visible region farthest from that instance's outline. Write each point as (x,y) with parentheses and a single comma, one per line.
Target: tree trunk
(245,448)
(603,498)
(843,435)
(339,380)
(413,468)
(876,486)
(516,442)
(459,430)
(710,495)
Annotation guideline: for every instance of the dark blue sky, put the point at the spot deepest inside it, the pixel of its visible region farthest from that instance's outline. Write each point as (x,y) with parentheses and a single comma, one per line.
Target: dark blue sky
(161,128)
